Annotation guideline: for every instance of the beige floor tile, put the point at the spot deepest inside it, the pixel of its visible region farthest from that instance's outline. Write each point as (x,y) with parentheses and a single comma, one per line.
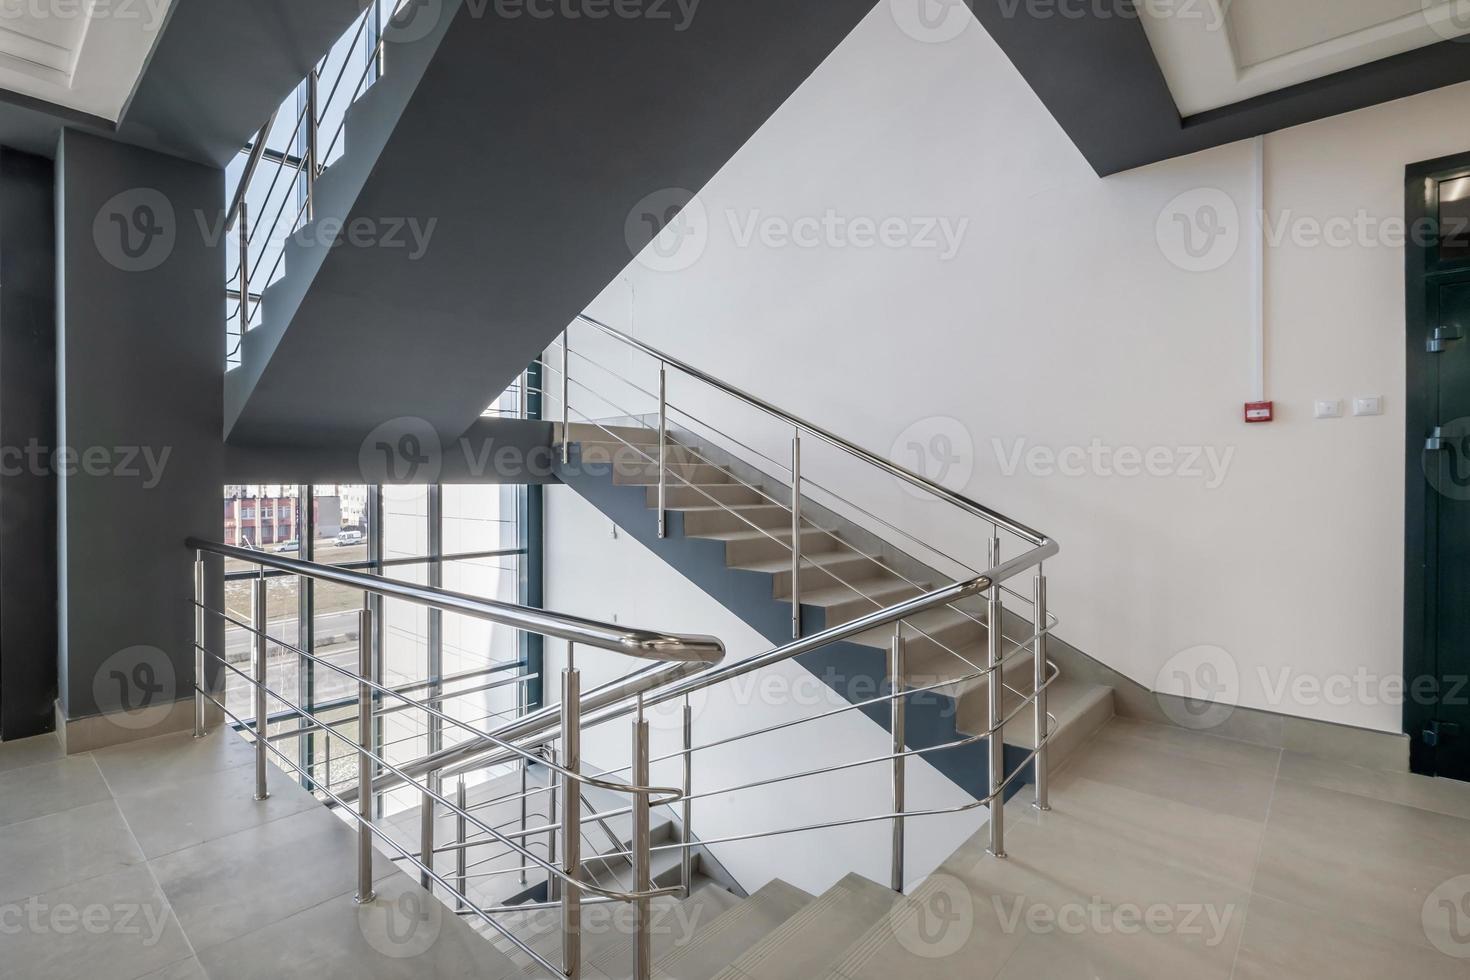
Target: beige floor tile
(50,787)
(225,888)
(1288,942)
(117,925)
(170,758)
(60,849)
(1363,860)
(29,751)
(1445,796)
(179,814)
(403,935)
(1166,767)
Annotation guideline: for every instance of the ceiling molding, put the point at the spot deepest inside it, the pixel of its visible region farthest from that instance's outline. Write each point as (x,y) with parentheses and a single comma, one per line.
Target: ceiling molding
(1099,77)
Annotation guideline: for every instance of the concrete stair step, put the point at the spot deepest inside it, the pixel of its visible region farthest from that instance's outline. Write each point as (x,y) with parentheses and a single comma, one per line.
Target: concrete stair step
(717,944)
(630,471)
(767,544)
(845,602)
(712,518)
(681,497)
(822,569)
(809,942)
(674,924)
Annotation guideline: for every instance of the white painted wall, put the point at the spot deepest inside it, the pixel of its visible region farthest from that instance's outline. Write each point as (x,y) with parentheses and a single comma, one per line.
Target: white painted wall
(1062,320)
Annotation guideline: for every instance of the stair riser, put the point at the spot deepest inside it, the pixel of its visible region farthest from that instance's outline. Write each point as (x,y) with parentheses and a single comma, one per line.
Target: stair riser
(823,576)
(631,472)
(765,549)
(732,493)
(704,522)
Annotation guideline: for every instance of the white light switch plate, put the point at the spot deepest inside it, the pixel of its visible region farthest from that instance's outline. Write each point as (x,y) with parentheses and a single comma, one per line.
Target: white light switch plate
(1328,410)
(1368,405)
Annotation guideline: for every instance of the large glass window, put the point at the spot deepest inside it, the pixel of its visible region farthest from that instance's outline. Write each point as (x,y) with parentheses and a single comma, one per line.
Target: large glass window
(463,538)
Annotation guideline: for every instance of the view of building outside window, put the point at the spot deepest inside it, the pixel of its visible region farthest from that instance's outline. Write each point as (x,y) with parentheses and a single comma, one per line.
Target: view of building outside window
(471,663)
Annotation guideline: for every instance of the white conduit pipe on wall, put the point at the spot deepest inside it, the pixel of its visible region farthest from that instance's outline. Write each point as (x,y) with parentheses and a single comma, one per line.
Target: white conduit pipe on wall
(1258,272)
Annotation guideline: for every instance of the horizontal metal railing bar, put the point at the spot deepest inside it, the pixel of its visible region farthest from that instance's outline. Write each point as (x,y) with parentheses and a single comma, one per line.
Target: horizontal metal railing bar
(429,709)
(448,805)
(385,563)
(771,535)
(959,500)
(854,821)
(420,685)
(643,644)
(806,479)
(538,907)
(530,729)
(659,694)
(875,760)
(322,787)
(857,706)
(538,729)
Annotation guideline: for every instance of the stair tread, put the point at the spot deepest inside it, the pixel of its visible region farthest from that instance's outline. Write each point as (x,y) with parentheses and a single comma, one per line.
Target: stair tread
(816,937)
(861,590)
(734,931)
(679,926)
(776,566)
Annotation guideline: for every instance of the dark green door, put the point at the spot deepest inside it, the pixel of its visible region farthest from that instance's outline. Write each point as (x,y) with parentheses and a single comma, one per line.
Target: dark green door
(1437,648)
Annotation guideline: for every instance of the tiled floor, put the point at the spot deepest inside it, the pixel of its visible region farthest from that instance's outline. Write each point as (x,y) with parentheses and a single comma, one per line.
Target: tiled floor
(1168,854)
(1172,854)
(152,860)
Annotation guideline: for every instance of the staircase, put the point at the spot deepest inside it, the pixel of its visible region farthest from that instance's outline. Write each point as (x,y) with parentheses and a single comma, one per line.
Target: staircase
(728,529)
(528,152)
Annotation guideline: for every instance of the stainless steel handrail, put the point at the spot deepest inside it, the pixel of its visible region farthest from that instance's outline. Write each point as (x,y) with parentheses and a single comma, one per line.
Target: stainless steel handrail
(643,644)
(674,655)
(893,469)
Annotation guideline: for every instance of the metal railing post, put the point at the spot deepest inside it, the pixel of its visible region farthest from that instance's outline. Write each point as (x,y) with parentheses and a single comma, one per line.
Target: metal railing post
(461,855)
(663,439)
(642,850)
(553,883)
(199,678)
(244,230)
(571,821)
(897,722)
(1043,801)
(262,708)
(312,164)
(379,42)
(566,409)
(995,613)
(525,764)
(796,535)
(365,726)
(426,831)
(686,860)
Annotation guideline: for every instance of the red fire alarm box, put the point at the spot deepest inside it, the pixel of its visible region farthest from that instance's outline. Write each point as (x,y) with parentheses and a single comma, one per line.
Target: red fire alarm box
(1259,411)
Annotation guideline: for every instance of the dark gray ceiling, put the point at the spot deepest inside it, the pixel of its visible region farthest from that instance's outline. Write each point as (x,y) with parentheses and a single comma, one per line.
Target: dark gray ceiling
(218,70)
(534,149)
(1097,74)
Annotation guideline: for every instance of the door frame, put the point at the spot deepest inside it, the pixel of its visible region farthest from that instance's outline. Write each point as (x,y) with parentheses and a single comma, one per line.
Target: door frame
(1422,267)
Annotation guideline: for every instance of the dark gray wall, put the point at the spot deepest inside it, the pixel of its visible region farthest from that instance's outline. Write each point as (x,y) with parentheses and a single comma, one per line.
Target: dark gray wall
(534,148)
(27,418)
(140,368)
(493,450)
